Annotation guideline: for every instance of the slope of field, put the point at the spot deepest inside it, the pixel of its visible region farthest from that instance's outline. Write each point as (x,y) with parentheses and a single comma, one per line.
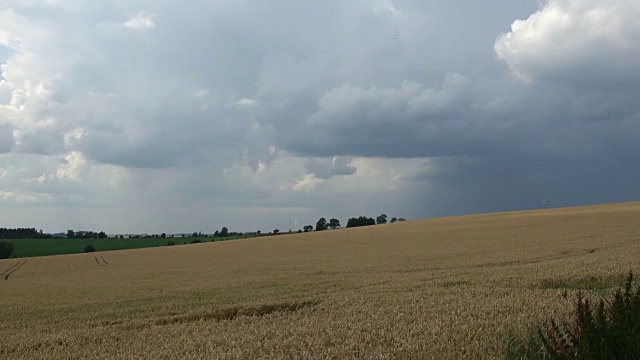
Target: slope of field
(442,288)
(60,246)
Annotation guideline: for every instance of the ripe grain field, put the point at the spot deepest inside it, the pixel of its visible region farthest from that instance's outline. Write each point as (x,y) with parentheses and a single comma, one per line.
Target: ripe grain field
(442,288)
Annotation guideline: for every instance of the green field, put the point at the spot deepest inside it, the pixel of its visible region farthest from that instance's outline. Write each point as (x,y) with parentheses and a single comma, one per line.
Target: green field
(60,246)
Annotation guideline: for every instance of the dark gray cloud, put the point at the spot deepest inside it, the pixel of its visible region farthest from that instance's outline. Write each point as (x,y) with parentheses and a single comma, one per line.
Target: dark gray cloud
(503,184)
(327,168)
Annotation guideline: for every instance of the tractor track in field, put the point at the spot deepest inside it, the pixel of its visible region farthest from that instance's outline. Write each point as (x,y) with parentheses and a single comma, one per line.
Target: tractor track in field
(105,261)
(10,267)
(98,262)
(102,262)
(14,268)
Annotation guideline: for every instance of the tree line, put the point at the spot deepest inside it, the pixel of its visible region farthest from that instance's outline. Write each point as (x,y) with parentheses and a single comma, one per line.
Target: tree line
(323,224)
(22,233)
(86,234)
(7,249)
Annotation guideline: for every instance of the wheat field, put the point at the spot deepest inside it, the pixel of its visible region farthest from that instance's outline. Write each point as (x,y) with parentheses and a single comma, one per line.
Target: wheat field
(455,287)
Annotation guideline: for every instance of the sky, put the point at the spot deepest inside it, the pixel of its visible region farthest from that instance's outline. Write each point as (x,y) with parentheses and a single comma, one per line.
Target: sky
(163,116)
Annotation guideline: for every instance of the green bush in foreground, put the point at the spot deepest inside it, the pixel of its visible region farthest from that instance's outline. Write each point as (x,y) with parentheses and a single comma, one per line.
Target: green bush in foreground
(610,330)
(89,248)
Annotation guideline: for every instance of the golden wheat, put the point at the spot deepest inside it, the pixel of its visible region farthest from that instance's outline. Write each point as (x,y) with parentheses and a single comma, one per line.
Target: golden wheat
(442,288)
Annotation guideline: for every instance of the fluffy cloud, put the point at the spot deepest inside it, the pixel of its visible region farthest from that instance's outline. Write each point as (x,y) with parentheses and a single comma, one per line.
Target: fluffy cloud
(140,22)
(582,42)
(408,121)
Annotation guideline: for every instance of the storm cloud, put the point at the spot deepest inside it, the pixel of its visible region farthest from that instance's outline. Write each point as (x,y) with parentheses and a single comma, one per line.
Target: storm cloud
(152,116)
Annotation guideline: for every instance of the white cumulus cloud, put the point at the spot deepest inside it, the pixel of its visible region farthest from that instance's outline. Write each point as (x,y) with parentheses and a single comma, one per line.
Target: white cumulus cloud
(142,21)
(578,41)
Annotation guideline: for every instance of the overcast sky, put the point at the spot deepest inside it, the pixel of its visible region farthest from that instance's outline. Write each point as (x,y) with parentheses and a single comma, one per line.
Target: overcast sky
(166,116)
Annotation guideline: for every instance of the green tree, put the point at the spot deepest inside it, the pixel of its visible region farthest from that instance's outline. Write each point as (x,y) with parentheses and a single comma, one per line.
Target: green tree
(321,224)
(382,219)
(7,250)
(360,221)
(334,223)
(70,234)
(163,235)
(224,232)
(307,228)
(393,220)
(276,231)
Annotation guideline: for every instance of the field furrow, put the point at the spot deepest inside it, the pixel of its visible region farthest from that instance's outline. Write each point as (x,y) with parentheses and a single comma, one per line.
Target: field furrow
(107,263)
(14,269)
(15,263)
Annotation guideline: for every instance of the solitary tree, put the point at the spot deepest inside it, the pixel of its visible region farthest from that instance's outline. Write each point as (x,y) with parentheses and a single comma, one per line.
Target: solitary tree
(334,223)
(224,232)
(307,228)
(163,235)
(382,219)
(321,224)
(6,250)
(402,219)
(276,231)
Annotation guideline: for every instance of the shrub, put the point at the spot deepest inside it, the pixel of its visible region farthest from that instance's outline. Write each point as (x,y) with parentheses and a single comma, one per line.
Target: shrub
(89,248)
(196,241)
(6,250)
(170,243)
(610,330)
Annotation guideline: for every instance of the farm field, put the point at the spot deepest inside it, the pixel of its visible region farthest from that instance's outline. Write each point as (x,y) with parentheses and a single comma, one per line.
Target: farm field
(447,288)
(60,246)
